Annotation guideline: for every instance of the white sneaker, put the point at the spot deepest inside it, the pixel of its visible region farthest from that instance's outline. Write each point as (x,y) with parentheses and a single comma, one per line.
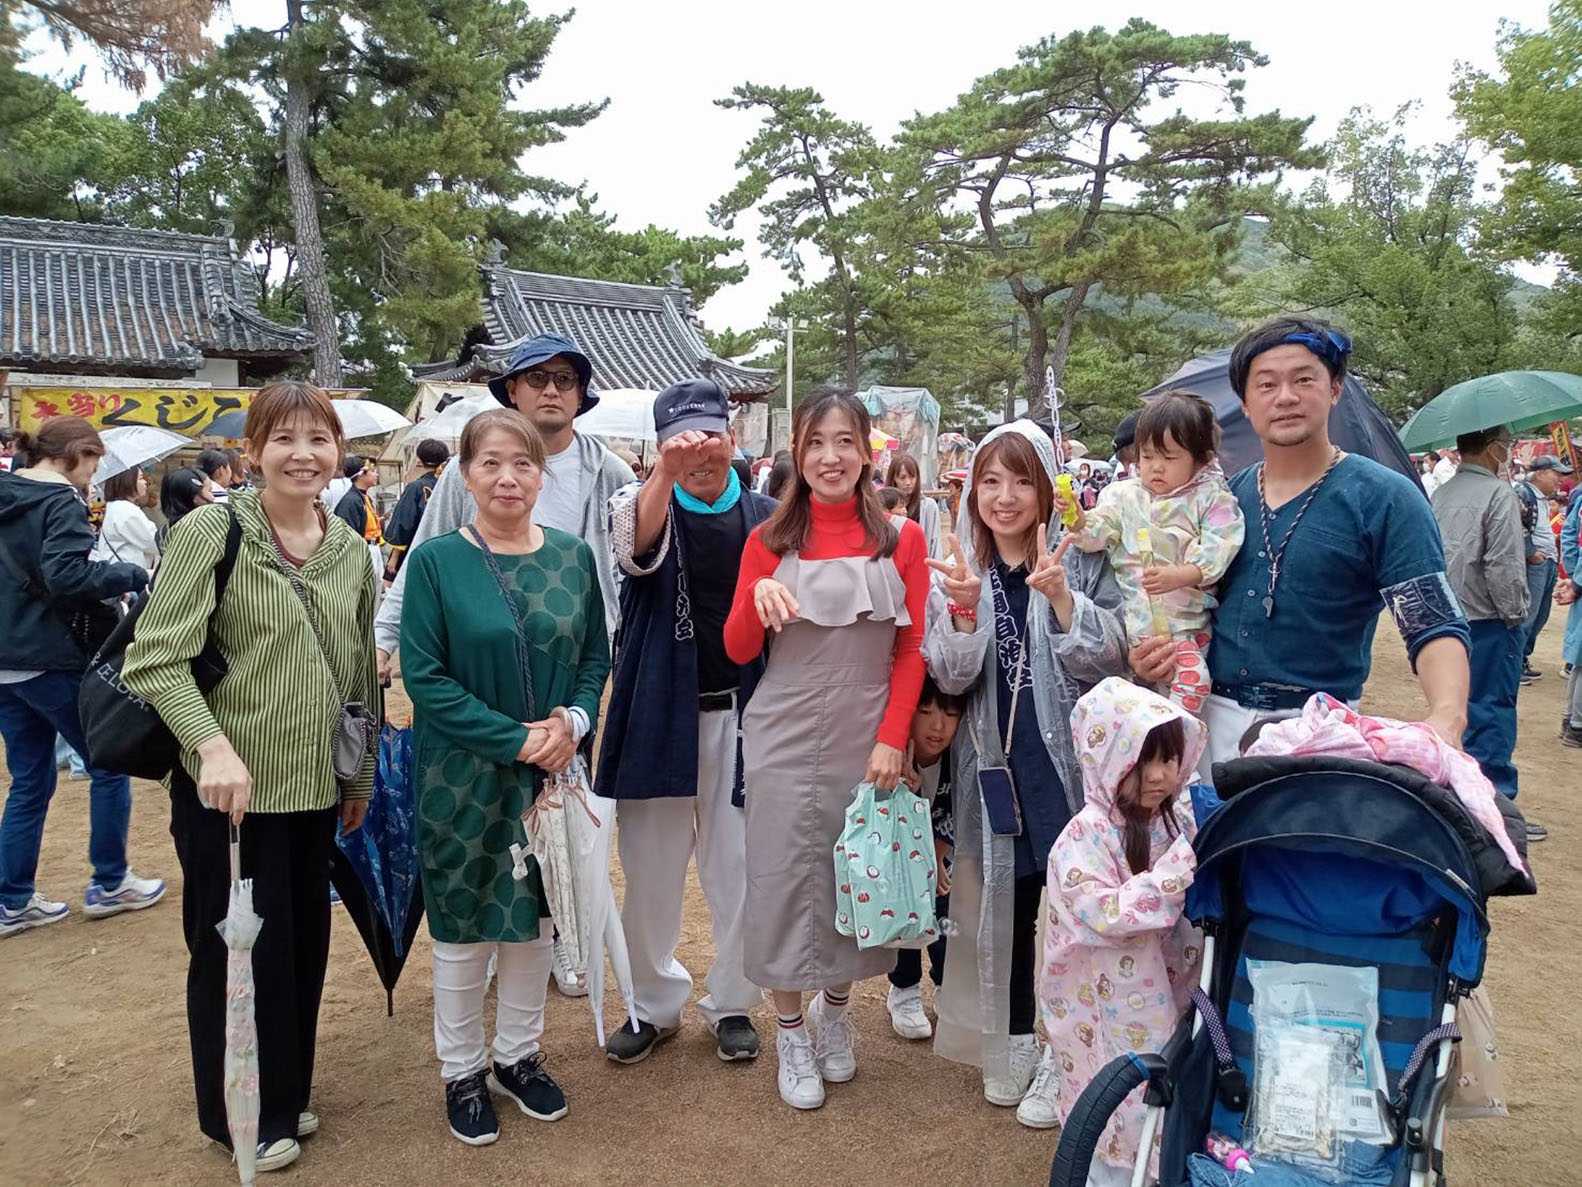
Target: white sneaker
(277,1155)
(832,1042)
(39,912)
(1040,1108)
(569,983)
(907,1018)
(1023,1058)
(801,1086)
(133,894)
(307,1123)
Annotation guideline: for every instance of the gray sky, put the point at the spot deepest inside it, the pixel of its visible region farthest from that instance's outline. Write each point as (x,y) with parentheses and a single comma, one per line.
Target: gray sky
(663,152)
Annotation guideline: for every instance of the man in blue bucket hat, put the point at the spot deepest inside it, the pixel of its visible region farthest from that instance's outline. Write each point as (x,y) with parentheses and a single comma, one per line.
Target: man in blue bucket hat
(549,381)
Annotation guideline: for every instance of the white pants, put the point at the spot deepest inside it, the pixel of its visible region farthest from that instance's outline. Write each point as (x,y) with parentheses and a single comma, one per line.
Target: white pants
(461,976)
(657,838)
(1227,721)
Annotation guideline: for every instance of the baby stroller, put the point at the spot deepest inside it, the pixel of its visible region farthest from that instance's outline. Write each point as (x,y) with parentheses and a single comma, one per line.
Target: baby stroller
(1328,861)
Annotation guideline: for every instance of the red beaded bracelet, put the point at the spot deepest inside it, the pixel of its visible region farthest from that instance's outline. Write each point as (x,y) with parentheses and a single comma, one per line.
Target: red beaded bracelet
(969,613)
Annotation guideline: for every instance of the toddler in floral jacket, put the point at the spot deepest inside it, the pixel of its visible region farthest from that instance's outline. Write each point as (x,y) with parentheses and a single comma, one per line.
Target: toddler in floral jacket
(1120,960)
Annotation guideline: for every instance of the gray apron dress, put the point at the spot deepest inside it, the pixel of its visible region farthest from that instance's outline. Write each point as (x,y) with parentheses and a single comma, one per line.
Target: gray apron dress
(807,734)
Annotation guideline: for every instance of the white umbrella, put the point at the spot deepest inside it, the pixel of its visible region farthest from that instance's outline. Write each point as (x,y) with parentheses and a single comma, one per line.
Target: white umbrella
(128,446)
(622,412)
(367,418)
(240,929)
(569,829)
(447,424)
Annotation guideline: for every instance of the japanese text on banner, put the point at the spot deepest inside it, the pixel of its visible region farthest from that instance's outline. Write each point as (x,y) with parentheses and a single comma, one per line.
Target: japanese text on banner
(181,410)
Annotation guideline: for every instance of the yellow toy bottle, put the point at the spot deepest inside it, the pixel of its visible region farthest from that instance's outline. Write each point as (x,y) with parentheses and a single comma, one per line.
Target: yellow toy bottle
(1156,606)
(1068,513)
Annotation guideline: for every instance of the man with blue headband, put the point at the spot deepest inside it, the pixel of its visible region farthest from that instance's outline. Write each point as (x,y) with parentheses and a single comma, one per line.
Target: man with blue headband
(1332,538)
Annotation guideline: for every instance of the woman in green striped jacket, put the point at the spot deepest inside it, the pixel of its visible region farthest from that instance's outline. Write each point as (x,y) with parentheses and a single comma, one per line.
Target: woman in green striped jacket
(256,750)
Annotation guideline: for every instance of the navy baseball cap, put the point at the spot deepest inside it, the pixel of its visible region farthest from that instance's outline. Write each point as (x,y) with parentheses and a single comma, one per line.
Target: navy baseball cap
(540,349)
(1547,461)
(698,404)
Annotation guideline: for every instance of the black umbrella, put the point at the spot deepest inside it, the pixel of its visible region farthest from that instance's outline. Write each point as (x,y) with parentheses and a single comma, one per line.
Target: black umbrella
(1356,423)
(375,869)
(389,955)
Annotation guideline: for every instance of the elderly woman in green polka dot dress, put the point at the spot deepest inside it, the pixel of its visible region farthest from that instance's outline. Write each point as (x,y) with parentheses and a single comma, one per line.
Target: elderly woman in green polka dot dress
(505,659)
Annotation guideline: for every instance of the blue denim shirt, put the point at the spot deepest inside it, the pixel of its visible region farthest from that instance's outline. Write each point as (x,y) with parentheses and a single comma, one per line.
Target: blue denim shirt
(1368,542)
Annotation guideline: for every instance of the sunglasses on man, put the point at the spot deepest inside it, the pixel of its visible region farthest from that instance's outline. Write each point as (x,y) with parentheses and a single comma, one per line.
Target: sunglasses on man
(563,380)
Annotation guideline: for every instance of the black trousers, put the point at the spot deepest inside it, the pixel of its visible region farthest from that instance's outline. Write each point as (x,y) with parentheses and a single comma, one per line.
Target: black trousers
(1024,954)
(287,855)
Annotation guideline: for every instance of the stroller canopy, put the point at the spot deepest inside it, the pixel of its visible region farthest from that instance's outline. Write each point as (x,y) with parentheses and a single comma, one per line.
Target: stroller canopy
(1290,835)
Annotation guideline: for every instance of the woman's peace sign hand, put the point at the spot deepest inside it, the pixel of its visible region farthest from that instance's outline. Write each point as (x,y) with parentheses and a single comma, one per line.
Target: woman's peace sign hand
(962,586)
(1048,576)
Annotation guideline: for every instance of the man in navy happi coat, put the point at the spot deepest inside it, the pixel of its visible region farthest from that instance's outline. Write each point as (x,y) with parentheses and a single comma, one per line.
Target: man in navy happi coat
(671,754)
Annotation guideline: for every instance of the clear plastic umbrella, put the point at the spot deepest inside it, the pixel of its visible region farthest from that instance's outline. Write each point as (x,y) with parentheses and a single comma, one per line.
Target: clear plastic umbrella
(240,930)
(569,830)
(129,446)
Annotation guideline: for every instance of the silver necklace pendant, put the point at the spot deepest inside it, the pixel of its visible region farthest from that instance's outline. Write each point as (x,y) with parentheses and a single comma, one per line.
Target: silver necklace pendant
(1268,605)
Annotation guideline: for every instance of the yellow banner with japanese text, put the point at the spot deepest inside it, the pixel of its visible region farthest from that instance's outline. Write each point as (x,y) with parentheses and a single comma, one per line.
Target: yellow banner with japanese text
(186,410)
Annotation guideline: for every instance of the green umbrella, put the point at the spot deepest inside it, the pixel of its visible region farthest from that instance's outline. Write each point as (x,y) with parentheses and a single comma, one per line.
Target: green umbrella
(1520,399)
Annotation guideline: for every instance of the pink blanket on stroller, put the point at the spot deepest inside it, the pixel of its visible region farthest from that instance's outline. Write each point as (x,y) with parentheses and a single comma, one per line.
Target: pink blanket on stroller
(1328,726)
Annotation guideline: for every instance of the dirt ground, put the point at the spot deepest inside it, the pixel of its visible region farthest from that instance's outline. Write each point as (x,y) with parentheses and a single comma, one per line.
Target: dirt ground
(95,1083)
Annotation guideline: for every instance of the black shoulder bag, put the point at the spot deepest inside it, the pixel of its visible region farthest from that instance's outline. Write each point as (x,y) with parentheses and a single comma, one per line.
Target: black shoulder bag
(124,732)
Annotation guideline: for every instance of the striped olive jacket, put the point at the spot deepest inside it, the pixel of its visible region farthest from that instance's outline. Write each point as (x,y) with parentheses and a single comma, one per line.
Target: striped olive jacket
(278,704)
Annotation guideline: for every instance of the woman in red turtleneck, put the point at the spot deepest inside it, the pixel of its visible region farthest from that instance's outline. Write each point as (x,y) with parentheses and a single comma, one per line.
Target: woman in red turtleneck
(842,587)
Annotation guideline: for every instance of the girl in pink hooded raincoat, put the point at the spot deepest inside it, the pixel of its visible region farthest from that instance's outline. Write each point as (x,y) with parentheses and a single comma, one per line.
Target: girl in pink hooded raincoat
(1120,960)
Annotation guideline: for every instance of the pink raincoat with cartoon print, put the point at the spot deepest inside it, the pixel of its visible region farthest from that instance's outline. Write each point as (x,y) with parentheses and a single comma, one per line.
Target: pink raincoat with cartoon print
(1120,961)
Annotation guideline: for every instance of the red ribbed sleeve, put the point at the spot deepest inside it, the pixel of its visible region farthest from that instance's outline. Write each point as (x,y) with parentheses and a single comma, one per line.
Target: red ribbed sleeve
(906,670)
(744,634)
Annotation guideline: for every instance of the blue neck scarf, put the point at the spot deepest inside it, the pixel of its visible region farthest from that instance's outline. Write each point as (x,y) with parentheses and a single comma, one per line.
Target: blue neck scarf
(727,500)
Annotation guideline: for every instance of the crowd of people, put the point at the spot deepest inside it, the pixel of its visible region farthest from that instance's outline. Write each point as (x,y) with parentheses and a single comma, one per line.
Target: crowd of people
(765,652)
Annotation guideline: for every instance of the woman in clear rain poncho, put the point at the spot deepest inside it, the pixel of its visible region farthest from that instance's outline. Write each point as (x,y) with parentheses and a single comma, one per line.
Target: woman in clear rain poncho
(1007,599)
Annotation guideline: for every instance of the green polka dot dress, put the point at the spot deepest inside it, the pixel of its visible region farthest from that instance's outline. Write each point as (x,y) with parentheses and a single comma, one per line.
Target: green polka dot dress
(459,662)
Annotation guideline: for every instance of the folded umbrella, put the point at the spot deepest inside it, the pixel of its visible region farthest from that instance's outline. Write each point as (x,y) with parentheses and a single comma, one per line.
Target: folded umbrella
(240,930)
(1518,399)
(375,870)
(569,829)
(126,447)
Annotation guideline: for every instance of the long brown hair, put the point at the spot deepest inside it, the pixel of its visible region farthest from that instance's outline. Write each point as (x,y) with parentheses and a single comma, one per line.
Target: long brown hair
(1161,744)
(1017,454)
(906,463)
(786,530)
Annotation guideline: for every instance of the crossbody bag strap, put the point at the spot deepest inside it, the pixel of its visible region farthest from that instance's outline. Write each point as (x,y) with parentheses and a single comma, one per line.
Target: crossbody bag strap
(1016,690)
(516,616)
(289,571)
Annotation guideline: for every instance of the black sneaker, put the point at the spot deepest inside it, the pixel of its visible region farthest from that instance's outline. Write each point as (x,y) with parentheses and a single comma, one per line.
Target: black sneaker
(1536,832)
(1525,680)
(738,1039)
(528,1084)
(1570,737)
(1529,672)
(472,1118)
(633,1046)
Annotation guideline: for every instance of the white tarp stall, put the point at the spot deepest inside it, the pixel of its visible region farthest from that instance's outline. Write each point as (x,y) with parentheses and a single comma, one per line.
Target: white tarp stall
(911,415)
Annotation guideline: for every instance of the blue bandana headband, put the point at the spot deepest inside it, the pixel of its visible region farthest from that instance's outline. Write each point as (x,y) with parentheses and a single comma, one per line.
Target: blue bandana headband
(1332,346)
(727,500)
